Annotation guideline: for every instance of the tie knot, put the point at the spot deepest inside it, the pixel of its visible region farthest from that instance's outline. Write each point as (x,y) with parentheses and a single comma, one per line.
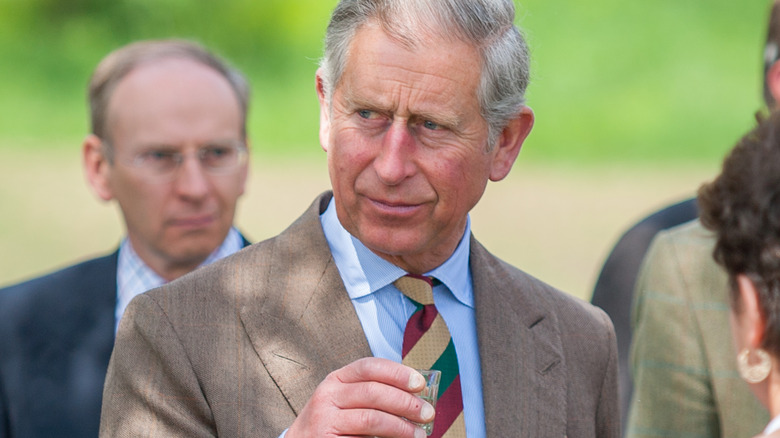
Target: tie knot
(417,288)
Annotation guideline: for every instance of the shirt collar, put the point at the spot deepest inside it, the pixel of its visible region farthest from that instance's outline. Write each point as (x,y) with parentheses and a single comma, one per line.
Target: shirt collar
(363,272)
(773,426)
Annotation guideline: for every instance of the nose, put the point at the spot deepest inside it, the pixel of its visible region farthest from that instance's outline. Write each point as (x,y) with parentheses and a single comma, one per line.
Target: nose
(394,163)
(191,180)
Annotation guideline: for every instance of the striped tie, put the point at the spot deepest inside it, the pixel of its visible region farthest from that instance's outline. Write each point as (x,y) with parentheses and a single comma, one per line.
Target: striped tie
(428,345)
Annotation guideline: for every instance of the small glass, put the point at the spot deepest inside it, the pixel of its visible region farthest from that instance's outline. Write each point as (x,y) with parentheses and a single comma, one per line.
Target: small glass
(430,393)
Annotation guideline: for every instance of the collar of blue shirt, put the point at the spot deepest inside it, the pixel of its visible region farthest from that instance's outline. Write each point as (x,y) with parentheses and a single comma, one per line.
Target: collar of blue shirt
(364,272)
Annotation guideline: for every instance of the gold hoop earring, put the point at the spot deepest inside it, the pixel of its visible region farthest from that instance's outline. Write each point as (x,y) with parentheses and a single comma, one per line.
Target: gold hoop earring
(754,373)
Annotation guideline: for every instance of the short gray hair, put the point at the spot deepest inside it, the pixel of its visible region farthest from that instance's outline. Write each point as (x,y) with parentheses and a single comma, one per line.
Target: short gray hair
(488,25)
(117,64)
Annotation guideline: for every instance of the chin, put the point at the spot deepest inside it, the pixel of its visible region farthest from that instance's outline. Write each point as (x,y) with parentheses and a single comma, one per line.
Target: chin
(392,243)
(196,250)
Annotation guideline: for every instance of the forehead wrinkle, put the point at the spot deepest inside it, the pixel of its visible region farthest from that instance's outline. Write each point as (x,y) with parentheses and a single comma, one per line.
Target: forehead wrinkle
(434,105)
(408,86)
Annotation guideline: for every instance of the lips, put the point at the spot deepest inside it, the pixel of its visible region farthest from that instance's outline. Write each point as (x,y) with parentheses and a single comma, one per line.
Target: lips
(193,221)
(395,208)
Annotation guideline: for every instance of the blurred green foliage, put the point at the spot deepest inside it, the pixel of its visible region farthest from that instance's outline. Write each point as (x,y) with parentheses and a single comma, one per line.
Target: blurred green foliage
(49,48)
(612,80)
(634,80)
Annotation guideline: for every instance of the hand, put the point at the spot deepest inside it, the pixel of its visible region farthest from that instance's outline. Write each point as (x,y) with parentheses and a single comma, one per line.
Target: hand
(368,397)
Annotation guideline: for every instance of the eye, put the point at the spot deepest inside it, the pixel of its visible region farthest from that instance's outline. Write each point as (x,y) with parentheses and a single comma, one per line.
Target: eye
(431,125)
(216,151)
(157,156)
(158,159)
(218,156)
(366,114)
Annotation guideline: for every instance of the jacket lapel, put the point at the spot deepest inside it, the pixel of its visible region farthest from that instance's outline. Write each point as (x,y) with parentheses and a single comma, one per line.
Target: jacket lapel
(308,328)
(301,322)
(523,371)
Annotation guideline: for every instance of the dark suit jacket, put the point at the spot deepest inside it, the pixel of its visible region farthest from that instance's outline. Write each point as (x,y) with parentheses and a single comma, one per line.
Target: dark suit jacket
(237,348)
(56,336)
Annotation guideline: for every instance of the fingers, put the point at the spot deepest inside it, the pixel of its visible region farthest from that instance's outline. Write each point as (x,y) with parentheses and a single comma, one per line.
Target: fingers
(383,385)
(370,422)
(381,370)
(382,397)
(369,397)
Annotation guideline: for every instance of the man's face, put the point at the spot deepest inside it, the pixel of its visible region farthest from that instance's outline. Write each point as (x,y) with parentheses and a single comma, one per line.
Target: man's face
(407,147)
(173,105)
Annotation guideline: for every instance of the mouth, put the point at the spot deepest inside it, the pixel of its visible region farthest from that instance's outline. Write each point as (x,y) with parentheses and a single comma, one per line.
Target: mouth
(193,222)
(395,208)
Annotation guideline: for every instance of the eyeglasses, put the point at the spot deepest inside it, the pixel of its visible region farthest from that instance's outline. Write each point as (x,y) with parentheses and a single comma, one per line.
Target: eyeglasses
(161,162)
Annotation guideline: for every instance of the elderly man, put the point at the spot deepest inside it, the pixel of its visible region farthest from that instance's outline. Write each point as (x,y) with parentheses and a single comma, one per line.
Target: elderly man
(317,332)
(168,144)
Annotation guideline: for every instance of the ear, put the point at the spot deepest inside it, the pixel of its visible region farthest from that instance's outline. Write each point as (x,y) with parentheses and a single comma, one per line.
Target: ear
(324,111)
(97,169)
(510,142)
(773,82)
(753,321)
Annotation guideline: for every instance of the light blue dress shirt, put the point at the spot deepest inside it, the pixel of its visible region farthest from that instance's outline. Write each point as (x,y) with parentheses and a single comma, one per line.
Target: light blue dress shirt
(383,310)
(134,277)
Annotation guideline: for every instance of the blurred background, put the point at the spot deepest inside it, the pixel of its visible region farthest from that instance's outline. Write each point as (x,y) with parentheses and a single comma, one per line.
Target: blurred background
(636,104)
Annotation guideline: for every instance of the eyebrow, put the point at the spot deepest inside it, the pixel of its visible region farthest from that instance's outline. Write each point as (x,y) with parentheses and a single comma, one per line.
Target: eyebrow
(450,120)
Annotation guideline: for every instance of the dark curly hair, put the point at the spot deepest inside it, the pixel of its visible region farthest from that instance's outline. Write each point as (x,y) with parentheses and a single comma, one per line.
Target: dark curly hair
(742,207)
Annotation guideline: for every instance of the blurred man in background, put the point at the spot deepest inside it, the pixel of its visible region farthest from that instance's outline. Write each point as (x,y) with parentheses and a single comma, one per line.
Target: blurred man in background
(614,290)
(169,145)
(683,361)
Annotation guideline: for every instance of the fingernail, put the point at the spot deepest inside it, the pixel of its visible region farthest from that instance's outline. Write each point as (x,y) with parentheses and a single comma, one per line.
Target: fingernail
(416,380)
(419,433)
(427,411)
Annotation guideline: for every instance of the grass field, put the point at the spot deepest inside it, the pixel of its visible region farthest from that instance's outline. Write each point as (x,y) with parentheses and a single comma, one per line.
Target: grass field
(557,222)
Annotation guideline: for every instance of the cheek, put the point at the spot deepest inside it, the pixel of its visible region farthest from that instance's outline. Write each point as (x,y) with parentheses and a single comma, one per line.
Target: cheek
(144,212)
(145,203)
(459,174)
(134,195)
(348,156)
(229,190)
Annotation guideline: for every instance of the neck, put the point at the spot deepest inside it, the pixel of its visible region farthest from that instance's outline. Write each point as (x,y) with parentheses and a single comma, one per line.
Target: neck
(772,395)
(418,265)
(170,273)
(163,266)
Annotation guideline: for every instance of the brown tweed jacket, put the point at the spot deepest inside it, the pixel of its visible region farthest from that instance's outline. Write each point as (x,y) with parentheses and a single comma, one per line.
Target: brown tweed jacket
(238,347)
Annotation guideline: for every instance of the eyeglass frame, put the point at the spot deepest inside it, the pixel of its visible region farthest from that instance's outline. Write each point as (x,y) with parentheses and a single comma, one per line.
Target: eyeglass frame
(178,158)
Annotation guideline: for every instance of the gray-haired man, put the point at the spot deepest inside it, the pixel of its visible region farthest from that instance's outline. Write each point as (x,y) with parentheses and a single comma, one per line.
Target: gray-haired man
(317,332)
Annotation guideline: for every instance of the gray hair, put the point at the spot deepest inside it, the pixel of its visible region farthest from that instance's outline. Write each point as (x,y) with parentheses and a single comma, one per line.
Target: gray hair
(488,25)
(117,64)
